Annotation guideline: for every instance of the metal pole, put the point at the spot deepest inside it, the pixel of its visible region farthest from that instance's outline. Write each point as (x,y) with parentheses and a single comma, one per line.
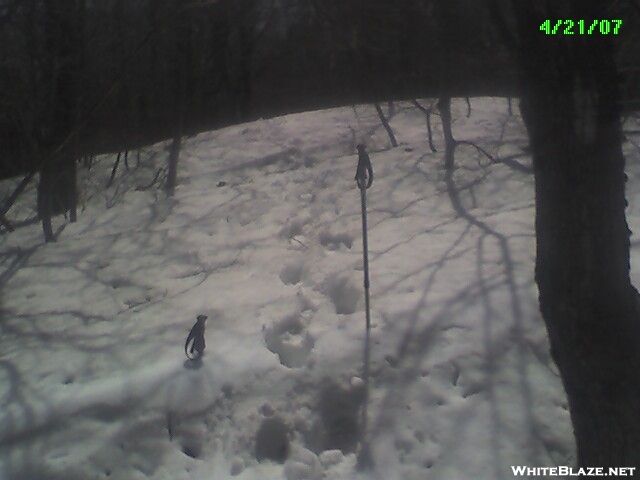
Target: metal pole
(364,178)
(365,460)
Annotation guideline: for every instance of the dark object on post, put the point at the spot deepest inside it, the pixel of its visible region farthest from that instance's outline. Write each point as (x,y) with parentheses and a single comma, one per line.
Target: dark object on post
(364,172)
(196,338)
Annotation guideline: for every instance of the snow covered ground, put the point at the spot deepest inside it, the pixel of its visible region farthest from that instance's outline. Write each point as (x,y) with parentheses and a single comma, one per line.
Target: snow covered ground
(263,235)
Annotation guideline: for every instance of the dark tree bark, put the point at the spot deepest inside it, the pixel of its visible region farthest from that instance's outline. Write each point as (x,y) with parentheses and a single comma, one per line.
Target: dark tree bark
(70,187)
(11,199)
(247,23)
(45,199)
(6,223)
(386,125)
(570,105)
(57,189)
(183,90)
(172,170)
(444,107)
(427,114)
(114,170)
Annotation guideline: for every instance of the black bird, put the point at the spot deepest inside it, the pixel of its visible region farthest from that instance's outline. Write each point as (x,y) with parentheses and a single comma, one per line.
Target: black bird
(364,172)
(196,336)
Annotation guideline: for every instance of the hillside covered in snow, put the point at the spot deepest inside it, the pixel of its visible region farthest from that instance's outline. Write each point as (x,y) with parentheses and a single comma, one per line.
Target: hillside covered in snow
(263,235)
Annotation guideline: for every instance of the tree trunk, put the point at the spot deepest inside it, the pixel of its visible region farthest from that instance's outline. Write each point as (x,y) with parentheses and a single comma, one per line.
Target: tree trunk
(427,114)
(114,170)
(45,199)
(386,125)
(11,199)
(172,169)
(570,105)
(444,107)
(71,188)
(57,189)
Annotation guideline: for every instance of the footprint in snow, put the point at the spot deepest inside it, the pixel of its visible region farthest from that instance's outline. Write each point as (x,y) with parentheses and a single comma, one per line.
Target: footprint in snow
(333,241)
(289,340)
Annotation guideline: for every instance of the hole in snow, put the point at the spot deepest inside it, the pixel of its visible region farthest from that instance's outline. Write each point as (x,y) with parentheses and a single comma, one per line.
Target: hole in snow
(339,416)
(291,274)
(272,440)
(332,241)
(289,341)
(344,293)
(190,451)
(192,439)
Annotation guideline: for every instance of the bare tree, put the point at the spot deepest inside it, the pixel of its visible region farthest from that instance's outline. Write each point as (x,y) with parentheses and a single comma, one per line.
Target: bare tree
(427,113)
(444,107)
(57,190)
(385,123)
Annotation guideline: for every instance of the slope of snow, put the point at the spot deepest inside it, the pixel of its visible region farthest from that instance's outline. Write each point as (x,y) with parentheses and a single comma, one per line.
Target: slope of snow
(263,235)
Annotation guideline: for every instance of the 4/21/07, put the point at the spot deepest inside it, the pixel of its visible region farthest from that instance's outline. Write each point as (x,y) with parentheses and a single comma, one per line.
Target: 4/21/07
(566,27)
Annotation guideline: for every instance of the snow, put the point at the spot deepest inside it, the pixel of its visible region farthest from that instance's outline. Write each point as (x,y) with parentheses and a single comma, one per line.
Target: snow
(263,235)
